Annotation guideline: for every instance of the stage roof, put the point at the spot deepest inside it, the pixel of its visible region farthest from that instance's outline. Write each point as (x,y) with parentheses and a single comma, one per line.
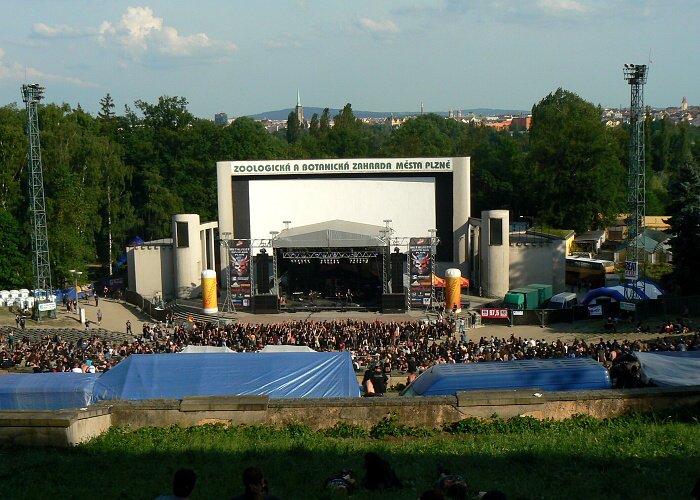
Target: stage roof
(331,234)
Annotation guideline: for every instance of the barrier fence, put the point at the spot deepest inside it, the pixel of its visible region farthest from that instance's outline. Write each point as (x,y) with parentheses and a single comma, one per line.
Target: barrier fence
(671,307)
(145,305)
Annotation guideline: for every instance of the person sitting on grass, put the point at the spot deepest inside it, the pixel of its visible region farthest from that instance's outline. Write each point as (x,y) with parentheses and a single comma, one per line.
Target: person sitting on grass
(451,485)
(255,486)
(379,475)
(183,484)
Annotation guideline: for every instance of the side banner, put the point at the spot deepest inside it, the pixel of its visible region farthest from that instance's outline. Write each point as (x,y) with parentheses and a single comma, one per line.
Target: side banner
(239,266)
(420,272)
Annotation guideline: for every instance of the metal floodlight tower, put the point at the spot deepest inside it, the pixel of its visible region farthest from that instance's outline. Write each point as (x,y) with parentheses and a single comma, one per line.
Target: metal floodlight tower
(636,76)
(41,266)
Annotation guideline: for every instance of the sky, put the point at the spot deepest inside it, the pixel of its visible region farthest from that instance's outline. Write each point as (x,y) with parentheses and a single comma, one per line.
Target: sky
(245,57)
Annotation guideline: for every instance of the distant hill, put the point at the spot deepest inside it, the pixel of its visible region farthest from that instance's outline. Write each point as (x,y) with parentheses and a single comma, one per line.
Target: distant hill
(282,114)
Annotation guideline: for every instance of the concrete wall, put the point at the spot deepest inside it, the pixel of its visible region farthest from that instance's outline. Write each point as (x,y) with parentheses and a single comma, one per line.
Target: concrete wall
(68,427)
(162,268)
(188,259)
(535,263)
(495,259)
(151,270)
(461,211)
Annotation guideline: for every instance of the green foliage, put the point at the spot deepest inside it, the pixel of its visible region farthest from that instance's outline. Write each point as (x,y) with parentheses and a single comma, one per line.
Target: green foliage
(684,209)
(389,427)
(570,148)
(652,455)
(345,430)
(15,268)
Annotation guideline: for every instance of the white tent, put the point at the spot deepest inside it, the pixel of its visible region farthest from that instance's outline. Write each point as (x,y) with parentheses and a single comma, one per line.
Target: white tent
(286,348)
(198,349)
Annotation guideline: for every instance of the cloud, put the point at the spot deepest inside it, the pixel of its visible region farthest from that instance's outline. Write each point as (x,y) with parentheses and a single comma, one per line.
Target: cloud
(284,40)
(140,34)
(42,30)
(14,71)
(383,27)
(561,6)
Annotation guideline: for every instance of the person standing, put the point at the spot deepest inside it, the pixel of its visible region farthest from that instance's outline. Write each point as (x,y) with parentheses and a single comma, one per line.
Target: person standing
(99,314)
(128,327)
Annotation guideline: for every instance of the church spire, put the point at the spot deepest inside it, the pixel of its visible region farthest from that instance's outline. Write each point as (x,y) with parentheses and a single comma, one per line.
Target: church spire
(299,110)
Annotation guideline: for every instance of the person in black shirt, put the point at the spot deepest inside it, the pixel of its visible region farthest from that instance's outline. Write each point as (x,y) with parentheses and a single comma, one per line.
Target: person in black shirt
(375,381)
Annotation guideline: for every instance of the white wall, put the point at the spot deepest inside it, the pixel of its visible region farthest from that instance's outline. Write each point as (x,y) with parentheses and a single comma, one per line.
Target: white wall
(408,201)
(151,270)
(545,264)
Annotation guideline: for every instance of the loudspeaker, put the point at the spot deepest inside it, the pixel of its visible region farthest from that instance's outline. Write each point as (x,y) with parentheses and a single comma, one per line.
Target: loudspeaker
(397,260)
(262,272)
(393,303)
(265,304)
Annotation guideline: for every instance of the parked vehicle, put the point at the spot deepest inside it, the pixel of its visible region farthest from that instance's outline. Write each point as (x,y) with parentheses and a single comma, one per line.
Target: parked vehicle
(564,300)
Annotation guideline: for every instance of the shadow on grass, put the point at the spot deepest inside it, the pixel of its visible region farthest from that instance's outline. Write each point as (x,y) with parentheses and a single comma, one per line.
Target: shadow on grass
(657,461)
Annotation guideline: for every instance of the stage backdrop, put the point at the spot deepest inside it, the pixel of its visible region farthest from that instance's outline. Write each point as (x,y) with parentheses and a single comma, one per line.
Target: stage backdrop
(408,201)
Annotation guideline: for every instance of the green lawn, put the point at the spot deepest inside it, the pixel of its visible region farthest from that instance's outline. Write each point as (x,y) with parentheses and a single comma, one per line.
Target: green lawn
(652,456)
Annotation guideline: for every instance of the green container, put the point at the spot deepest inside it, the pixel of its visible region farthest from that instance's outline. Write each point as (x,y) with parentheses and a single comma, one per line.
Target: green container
(514,300)
(531,296)
(545,292)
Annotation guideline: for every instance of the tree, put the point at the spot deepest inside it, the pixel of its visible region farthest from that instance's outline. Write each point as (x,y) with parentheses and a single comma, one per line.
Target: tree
(293,128)
(313,125)
(420,137)
(574,171)
(684,209)
(15,267)
(324,123)
(106,112)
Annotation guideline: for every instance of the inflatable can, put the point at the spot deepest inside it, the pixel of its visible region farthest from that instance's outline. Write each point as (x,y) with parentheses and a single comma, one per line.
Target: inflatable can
(209,305)
(453,289)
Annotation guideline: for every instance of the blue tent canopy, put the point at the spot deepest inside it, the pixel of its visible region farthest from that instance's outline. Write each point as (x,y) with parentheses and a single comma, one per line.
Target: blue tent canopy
(278,375)
(646,290)
(565,374)
(46,391)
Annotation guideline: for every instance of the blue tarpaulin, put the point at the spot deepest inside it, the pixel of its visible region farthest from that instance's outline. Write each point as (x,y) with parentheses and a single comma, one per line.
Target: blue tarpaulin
(670,368)
(566,374)
(46,391)
(278,375)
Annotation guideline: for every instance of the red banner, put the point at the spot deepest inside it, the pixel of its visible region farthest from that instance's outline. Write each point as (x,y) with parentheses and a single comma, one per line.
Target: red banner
(494,313)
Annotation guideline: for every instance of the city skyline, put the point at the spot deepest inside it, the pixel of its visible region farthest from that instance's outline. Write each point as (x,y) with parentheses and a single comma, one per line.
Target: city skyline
(244,59)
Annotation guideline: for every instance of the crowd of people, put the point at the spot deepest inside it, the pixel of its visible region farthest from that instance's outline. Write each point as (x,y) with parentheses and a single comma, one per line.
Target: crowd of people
(406,347)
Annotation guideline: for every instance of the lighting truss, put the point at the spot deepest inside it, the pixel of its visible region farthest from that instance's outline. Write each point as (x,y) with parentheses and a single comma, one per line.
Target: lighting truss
(329,256)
